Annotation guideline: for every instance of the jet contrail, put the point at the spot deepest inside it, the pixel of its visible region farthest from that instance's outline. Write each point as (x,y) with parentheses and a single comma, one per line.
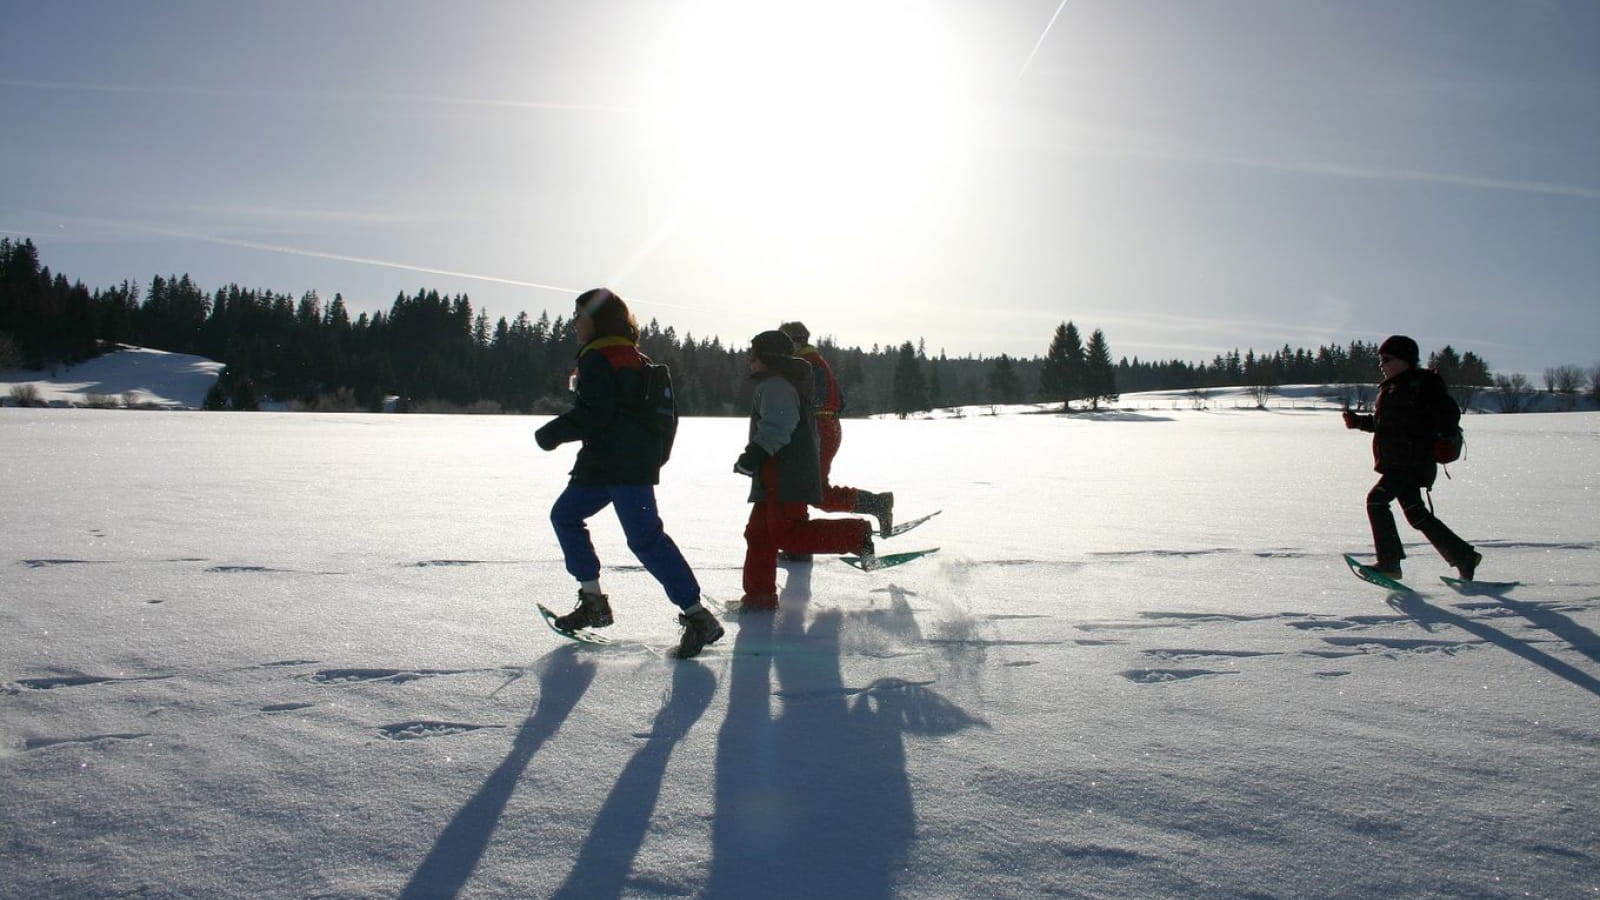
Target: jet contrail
(368,261)
(337,96)
(1035,51)
(427,270)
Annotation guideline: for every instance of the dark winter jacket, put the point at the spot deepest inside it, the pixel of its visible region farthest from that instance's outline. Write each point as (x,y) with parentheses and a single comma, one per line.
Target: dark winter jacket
(619,446)
(1410,413)
(781,424)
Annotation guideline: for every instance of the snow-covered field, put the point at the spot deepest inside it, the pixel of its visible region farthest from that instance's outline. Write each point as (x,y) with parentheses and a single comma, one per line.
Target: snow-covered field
(271,655)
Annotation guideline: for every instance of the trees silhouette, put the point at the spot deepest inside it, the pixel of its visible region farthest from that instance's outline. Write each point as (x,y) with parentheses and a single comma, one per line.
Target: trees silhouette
(1062,377)
(1099,374)
(429,351)
(910,389)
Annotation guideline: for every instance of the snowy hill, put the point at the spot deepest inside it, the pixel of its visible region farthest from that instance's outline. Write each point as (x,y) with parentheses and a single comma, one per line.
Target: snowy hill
(131,376)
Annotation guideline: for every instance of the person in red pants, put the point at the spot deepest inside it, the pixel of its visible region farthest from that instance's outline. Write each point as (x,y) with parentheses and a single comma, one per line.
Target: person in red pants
(827,402)
(785,474)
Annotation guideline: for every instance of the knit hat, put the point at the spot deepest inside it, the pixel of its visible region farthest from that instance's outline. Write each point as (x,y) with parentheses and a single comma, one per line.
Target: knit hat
(771,344)
(1400,347)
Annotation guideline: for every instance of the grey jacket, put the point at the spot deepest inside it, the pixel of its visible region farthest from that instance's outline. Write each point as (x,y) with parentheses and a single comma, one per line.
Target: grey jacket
(781,424)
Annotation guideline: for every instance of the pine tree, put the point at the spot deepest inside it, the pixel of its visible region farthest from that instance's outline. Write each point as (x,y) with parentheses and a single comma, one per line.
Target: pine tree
(910,392)
(1100,376)
(1003,381)
(1062,378)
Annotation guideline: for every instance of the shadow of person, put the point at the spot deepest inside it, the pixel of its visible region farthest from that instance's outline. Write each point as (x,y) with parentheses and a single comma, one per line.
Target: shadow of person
(813,801)
(1427,614)
(564,677)
(1577,637)
(604,861)
(1540,615)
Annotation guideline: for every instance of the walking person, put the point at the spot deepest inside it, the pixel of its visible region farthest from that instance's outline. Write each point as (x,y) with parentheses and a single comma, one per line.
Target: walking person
(785,473)
(1413,410)
(827,402)
(618,465)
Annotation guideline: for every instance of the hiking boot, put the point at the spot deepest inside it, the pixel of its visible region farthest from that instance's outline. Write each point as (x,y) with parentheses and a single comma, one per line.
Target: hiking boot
(1469,566)
(786,556)
(1387,570)
(759,602)
(699,629)
(592,611)
(869,556)
(879,506)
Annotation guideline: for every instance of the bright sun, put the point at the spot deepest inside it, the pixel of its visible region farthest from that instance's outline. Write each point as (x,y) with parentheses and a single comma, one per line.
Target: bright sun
(832,114)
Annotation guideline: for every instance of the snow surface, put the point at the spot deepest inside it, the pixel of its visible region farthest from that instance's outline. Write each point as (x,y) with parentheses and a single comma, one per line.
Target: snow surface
(264,655)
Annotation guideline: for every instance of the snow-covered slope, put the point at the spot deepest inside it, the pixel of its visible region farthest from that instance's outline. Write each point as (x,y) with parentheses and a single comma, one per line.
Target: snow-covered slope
(135,375)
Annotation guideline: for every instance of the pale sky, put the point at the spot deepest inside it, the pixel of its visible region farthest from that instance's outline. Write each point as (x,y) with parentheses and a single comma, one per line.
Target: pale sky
(1189,175)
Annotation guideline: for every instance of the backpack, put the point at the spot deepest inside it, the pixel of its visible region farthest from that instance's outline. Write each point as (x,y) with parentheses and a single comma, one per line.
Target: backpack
(1449,441)
(1449,446)
(659,406)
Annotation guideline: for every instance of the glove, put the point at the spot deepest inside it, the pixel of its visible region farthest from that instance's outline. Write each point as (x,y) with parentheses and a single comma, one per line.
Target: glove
(1349,419)
(546,440)
(751,459)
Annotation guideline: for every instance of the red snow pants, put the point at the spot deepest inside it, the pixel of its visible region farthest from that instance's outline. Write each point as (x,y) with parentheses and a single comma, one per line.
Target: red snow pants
(775,525)
(829,435)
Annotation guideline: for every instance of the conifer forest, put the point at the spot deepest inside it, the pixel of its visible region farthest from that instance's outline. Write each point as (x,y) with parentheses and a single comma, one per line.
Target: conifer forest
(434,353)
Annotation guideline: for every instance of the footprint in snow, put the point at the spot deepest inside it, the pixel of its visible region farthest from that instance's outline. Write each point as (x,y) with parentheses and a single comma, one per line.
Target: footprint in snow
(1167,676)
(395,676)
(418,730)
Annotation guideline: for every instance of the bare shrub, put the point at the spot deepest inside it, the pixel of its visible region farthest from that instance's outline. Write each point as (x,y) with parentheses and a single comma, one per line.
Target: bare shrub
(1261,393)
(442,407)
(26,395)
(342,400)
(1514,393)
(1563,379)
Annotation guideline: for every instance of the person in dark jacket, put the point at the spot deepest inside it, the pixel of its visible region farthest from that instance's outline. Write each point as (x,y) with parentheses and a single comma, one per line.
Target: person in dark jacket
(826,402)
(785,474)
(1408,417)
(618,465)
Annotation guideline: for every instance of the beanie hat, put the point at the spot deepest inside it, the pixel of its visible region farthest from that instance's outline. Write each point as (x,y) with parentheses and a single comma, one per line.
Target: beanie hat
(1400,347)
(771,344)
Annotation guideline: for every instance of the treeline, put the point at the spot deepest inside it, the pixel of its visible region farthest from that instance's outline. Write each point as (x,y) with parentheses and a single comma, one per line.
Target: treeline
(436,353)
(1354,364)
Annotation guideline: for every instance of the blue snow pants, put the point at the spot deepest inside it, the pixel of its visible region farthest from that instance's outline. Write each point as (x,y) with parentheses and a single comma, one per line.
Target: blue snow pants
(635,505)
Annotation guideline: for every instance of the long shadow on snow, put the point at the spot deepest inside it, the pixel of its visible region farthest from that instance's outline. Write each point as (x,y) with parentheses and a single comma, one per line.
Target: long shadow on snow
(564,679)
(604,862)
(813,801)
(1581,639)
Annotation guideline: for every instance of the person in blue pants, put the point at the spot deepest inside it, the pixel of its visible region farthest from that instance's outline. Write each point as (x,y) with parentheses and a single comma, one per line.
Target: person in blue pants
(618,465)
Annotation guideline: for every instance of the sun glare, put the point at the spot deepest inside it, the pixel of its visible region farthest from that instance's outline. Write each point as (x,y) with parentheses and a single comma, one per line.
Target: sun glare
(833,114)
